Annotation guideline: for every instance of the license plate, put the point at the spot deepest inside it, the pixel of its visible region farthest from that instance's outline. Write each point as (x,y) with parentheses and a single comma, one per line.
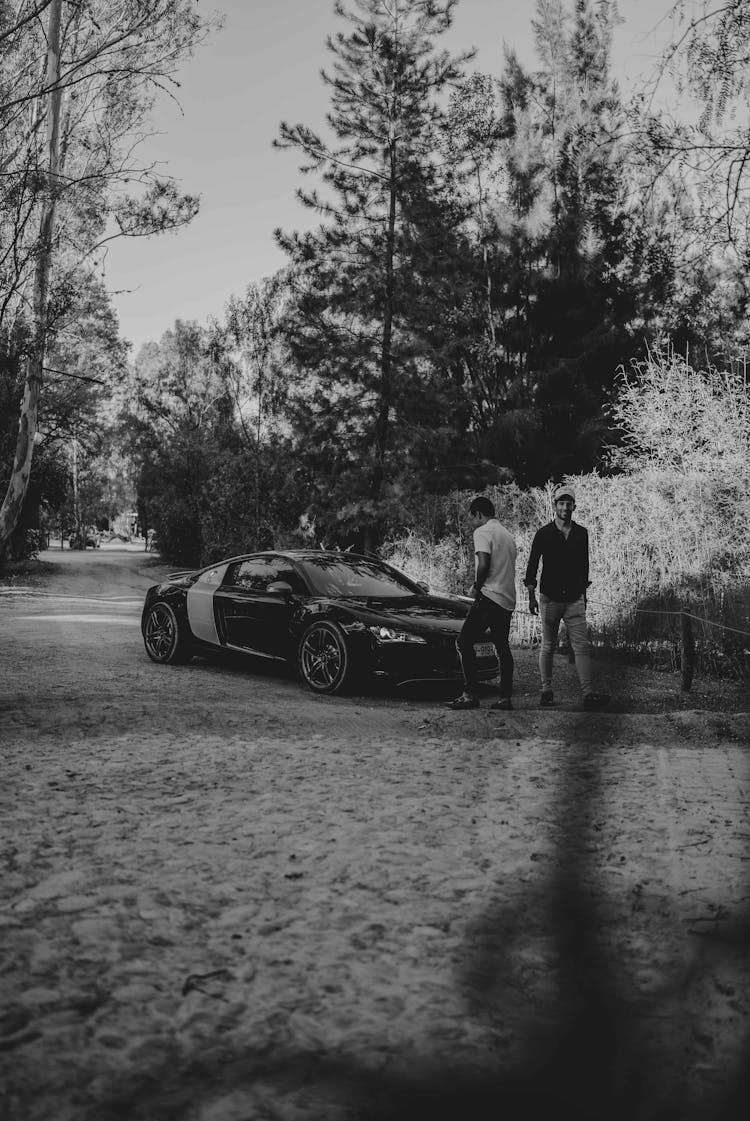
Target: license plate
(484,650)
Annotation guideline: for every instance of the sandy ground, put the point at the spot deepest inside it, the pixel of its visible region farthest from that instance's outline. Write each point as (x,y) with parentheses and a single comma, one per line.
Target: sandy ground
(225,899)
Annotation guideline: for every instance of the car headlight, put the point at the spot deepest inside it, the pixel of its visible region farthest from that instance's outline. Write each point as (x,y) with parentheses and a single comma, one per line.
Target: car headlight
(388,634)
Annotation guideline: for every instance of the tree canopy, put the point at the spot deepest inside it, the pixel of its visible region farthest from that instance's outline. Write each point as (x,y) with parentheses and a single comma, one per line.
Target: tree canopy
(487,253)
(77,82)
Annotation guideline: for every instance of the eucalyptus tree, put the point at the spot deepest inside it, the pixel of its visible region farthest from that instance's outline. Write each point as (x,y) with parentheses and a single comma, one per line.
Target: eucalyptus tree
(359,278)
(85,358)
(79,80)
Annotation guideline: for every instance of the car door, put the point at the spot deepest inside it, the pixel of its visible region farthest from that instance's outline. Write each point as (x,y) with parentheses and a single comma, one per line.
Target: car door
(200,605)
(251,617)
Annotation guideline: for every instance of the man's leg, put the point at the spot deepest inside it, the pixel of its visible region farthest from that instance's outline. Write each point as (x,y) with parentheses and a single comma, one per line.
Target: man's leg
(500,619)
(575,620)
(475,627)
(550,614)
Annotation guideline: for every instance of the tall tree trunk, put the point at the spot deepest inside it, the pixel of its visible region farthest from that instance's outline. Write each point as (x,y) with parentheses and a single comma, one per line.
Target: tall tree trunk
(27,425)
(77,527)
(382,422)
(258,433)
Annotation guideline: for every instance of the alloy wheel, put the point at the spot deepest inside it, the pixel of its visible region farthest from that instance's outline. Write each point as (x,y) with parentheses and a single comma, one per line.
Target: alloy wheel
(323,658)
(160,633)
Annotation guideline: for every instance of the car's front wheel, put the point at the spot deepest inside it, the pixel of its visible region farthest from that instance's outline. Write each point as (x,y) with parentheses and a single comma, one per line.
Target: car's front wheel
(163,636)
(324,658)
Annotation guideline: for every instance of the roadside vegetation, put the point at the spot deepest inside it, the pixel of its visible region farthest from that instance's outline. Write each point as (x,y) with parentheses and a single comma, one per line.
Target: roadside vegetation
(669,529)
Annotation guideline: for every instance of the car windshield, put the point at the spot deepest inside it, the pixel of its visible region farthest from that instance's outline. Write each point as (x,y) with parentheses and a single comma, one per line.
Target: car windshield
(350,576)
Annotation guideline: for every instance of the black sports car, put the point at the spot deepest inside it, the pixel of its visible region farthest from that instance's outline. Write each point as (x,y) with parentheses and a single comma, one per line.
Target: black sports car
(340,617)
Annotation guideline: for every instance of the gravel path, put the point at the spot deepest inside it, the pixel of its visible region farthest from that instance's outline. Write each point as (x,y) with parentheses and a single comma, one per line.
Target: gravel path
(224,899)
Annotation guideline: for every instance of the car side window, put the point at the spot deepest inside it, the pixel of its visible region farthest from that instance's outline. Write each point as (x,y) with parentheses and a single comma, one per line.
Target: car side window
(251,575)
(287,573)
(255,575)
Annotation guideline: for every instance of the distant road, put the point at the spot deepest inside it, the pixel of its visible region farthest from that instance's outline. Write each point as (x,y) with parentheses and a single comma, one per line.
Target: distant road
(73,645)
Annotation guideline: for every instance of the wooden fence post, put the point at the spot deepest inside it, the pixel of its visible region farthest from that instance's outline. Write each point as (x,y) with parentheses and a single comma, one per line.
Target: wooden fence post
(687,650)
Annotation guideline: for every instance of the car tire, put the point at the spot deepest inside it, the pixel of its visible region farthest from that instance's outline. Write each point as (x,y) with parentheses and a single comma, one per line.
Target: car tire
(164,637)
(324,658)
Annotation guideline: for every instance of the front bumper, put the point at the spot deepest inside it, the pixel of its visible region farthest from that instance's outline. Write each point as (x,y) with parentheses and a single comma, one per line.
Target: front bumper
(436,660)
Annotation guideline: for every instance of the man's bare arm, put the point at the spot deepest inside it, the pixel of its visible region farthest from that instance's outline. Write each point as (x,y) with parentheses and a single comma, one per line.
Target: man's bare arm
(483,569)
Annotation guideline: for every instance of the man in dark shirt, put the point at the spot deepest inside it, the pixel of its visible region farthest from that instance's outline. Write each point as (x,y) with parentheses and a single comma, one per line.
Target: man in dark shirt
(563,548)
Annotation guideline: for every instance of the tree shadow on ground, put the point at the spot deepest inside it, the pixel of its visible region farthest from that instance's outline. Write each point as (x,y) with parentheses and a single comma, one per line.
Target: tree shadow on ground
(587,1044)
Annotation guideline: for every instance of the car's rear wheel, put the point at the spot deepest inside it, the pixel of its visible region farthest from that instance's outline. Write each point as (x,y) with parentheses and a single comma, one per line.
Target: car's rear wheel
(163,636)
(324,658)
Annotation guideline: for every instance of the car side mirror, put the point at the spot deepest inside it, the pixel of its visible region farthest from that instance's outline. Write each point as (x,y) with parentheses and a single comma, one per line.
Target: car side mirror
(280,588)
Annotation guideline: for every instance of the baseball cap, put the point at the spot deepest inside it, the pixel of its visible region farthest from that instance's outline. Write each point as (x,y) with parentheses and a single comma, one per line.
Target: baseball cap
(564,491)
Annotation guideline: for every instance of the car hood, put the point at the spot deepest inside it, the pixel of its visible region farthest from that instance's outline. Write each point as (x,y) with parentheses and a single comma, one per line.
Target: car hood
(412,613)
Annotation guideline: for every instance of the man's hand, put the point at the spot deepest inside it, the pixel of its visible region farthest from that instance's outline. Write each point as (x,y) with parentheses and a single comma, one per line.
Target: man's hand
(533,605)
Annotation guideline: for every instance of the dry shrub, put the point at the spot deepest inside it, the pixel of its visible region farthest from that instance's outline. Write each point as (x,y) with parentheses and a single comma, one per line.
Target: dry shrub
(662,542)
(674,417)
(438,549)
(440,564)
(669,532)
(673,530)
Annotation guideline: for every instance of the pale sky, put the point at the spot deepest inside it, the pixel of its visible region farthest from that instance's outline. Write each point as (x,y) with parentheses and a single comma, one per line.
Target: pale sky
(264,67)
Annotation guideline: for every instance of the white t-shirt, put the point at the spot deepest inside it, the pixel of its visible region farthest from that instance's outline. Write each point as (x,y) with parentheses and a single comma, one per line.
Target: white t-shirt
(500,585)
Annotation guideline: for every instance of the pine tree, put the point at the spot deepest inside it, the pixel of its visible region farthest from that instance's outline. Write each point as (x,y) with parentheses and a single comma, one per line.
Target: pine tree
(361,278)
(504,255)
(576,254)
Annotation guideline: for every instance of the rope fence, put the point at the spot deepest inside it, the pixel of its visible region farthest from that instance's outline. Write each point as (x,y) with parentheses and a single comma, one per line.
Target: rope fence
(681,613)
(679,642)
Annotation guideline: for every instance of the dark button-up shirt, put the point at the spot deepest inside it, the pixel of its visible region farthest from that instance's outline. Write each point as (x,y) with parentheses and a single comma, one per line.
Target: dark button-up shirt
(565,562)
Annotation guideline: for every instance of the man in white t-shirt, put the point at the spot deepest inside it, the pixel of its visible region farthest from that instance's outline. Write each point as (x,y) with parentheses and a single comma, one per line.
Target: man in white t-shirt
(494,601)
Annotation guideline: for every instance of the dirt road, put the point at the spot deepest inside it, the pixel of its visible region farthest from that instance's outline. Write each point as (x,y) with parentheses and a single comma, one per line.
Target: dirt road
(225,899)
